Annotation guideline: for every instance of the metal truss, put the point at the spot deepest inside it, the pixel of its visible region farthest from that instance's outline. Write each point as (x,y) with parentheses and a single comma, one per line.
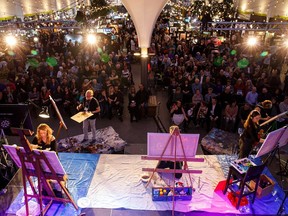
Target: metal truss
(248,26)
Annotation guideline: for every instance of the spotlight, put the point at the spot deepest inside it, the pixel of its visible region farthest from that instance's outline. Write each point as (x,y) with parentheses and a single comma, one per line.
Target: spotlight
(44,113)
(35,39)
(91,39)
(252,41)
(10,40)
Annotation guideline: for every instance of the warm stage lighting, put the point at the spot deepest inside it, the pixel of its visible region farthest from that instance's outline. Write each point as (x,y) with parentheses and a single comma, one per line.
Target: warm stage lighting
(35,39)
(10,40)
(91,39)
(252,41)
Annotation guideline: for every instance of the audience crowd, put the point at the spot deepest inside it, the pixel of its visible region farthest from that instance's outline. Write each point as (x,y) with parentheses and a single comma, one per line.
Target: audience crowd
(206,84)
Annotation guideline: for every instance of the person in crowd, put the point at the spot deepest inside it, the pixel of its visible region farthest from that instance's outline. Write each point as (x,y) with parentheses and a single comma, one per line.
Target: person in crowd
(91,105)
(132,105)
(201,114)
(197,97)
(142,96)
(67,101)
(112,98)
(214,114)
(250,137)
(230,114)
(264,108)
(252,97)
(178,114)
(283,107)
(103,102)
(119,103)
(243,114)
(208,97)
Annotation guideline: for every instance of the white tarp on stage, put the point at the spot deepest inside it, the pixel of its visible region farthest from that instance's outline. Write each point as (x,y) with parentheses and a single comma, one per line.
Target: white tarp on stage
(117,184)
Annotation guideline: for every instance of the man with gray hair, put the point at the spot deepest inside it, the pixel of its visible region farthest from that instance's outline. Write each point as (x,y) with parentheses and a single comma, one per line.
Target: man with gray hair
(91,105)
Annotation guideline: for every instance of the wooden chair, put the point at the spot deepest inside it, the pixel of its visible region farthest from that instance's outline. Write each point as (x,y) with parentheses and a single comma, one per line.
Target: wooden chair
(238,183)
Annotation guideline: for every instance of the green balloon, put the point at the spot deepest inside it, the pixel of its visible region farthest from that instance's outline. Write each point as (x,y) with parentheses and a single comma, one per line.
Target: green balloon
(34,52)
(263,54)
(105,57)
(99,50)
(11,53)
(243,63)
(218,61)
(33,62)
(51,61)
(233,52)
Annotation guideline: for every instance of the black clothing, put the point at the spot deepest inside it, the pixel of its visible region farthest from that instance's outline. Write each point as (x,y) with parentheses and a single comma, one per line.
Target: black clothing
(43,146)
(170,165)
(248,140)
(91,105)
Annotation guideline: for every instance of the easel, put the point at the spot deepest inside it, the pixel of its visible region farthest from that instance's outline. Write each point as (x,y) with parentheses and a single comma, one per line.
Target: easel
(2,153)
(272,144)
(5,164)
(34,163)
(174,133)
(61,121)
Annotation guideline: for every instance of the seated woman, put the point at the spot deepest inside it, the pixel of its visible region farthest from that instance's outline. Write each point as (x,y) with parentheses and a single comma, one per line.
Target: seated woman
(44,140)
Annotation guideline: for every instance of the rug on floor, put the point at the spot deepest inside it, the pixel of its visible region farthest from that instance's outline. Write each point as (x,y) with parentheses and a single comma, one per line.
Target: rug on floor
(107,141)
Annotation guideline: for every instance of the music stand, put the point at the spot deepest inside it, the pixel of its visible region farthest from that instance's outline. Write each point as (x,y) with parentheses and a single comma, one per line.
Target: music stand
(44,165)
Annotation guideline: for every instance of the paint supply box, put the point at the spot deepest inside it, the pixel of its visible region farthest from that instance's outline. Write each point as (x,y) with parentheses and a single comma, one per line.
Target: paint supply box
(166,193)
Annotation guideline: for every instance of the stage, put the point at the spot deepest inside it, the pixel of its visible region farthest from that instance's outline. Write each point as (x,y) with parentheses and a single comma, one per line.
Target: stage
(109,181)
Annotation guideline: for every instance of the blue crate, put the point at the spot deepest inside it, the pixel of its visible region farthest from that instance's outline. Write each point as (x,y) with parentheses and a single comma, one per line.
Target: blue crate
(162,193)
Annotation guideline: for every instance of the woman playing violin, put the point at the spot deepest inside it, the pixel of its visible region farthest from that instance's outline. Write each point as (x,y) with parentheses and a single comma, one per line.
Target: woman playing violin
(250,136)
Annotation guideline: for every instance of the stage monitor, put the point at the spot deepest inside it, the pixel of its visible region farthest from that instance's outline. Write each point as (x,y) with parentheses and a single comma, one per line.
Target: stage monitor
(157,142)
(15,116)
(271,142)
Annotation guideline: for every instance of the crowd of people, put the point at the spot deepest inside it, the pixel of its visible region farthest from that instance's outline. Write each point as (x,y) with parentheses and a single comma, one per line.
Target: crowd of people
(204,82)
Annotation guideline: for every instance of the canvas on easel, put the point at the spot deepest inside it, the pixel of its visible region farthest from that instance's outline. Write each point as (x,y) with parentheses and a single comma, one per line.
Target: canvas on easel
(283,141)
(271,142)
(46,167)
(171,147)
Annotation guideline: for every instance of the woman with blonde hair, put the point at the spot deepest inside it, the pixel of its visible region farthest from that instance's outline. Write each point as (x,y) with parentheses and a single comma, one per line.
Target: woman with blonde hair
(44,139)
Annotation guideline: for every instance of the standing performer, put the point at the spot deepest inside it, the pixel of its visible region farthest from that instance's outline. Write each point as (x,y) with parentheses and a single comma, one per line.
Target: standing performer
(90,104)
(250,136)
